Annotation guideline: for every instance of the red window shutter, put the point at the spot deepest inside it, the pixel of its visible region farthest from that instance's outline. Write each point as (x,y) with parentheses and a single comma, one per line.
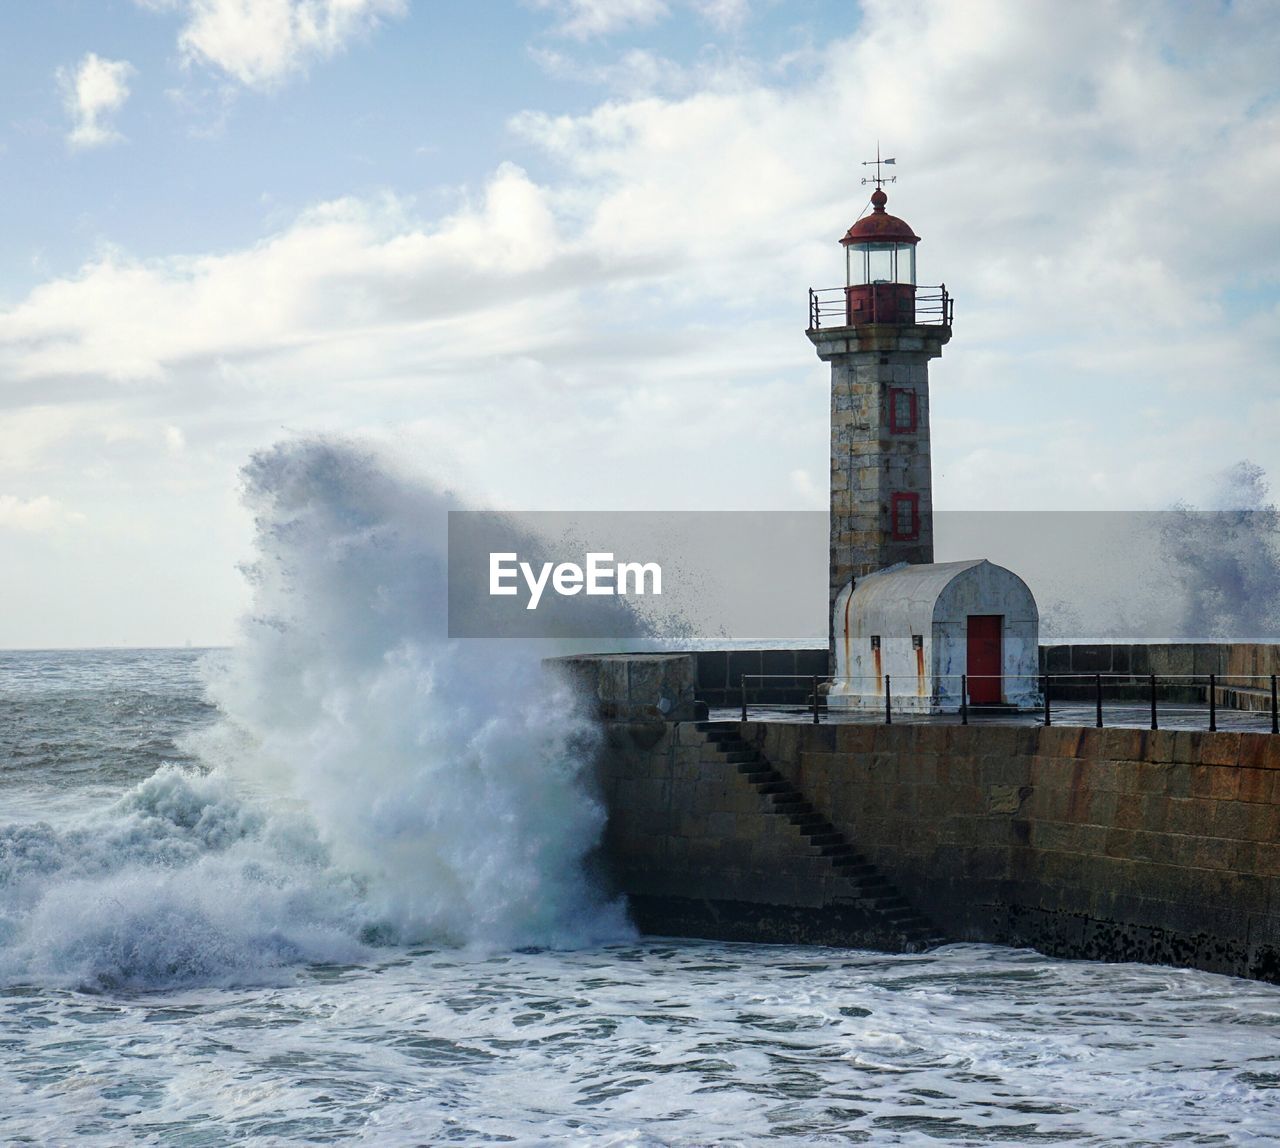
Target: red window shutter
(904,515)
(903,417)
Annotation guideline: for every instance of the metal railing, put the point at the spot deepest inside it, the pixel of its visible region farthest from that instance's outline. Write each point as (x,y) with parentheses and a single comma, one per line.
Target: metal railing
(1038,692)
(829,307)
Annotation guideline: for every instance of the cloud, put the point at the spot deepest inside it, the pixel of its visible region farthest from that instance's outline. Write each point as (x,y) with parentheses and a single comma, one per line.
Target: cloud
(261,43)
(597,336)
(342,269)
(93,93)
(635,73)
(590,19)
(35,515)
(725,15)
(810,493)
(653,290)
(598,19)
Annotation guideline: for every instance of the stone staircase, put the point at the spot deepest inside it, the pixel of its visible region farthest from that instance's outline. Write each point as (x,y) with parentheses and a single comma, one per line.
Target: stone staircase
(869,889)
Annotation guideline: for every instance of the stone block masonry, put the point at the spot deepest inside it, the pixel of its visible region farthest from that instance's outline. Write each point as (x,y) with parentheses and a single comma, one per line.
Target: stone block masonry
(879,444)
(1154,846)
(708,840)
(776,676)
(630,687)
(1243,670)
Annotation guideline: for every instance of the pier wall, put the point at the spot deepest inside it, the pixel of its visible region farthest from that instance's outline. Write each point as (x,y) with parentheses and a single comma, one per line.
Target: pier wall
(1153,846)
(709,844)
(1240,663)
(1242,670)
(1115,844)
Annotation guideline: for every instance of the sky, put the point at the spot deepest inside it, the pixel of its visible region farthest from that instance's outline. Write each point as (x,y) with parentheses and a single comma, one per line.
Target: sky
(555,255)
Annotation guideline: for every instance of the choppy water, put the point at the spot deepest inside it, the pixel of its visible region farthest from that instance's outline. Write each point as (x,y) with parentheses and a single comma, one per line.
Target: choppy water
(336,886)
(110,1038)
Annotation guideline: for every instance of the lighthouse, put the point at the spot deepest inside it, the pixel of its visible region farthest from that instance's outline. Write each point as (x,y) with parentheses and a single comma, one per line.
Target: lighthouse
(879,332)
(941,633)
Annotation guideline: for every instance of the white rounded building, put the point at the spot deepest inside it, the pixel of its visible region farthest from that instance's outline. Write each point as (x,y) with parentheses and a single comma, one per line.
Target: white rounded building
(919,631)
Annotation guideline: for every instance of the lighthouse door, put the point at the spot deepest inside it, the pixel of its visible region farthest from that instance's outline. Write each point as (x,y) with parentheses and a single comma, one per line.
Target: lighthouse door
(984,659)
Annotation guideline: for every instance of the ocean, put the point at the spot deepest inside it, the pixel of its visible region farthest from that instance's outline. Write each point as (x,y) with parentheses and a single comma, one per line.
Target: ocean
(339,884)
(182,967)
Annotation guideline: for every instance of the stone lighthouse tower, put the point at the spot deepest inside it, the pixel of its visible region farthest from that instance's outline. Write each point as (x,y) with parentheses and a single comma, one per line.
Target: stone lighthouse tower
(879,332)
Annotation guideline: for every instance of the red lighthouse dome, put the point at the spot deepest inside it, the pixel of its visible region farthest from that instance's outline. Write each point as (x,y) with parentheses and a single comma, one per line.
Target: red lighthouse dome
(880,226)
(880,258)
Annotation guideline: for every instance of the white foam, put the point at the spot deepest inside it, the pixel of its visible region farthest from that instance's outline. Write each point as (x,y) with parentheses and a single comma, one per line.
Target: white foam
(370,782)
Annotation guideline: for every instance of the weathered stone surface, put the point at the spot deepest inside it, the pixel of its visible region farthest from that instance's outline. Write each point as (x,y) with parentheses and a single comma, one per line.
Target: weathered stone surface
(1109,844)
(870,460)
(630,687)
(764,922)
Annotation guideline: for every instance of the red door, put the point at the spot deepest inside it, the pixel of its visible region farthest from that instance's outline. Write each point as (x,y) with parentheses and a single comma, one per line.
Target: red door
(984,658)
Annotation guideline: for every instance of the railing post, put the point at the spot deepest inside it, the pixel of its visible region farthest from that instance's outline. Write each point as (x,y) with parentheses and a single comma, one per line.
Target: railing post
(815,701)
(1097,686)
(964,699)
(1213,703)
(743,682)
(1275,709)
(1048,716)
(888,703)
(1155,721)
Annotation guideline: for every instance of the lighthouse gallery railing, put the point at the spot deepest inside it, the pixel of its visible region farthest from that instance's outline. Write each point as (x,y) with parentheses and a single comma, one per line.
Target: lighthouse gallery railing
(829,306)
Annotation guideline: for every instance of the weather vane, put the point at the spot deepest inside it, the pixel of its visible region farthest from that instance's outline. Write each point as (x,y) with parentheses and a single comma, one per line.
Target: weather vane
(878,179)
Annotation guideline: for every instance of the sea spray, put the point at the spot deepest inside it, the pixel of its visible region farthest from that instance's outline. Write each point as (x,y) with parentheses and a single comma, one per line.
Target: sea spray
(368,782)
(1226,560)
(450,774)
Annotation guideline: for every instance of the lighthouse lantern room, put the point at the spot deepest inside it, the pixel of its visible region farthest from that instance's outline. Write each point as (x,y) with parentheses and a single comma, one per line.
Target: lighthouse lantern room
(880,265)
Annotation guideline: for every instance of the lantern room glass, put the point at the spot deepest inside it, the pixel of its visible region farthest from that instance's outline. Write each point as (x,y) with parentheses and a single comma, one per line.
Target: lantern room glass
(880,263)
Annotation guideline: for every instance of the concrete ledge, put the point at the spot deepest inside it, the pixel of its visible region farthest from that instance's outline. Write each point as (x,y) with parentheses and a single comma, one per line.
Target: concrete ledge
(630,687)
(1239,666)
(721,920)
(1078,936)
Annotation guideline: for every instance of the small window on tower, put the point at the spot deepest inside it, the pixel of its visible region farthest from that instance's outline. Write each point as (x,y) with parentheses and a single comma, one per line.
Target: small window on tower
(902,410)
(875,641)
(905,512)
